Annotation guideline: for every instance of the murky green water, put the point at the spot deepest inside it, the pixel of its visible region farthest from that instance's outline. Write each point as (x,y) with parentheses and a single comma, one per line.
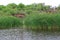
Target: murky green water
(19,34)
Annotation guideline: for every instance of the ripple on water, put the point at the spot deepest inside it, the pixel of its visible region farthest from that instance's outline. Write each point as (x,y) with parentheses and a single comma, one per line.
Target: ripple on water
(19,34)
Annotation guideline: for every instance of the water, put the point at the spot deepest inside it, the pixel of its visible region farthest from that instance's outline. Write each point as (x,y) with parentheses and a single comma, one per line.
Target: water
(19,34)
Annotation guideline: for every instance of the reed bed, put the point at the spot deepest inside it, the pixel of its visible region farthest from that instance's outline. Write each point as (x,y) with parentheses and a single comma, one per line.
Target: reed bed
(9,22)
(43,21)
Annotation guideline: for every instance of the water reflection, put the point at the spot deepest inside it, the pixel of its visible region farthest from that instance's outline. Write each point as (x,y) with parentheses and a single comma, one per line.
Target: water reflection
(20,34)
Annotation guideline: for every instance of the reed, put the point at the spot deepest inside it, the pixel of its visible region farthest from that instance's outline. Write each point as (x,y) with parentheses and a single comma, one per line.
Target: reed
(9,22)
(43,21)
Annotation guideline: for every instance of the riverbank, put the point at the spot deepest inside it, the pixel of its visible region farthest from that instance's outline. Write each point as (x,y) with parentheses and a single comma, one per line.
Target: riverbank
(46,22)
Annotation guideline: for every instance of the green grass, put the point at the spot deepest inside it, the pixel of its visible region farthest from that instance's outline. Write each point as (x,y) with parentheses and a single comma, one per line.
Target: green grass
(43,21)
(9,22)
(39,21)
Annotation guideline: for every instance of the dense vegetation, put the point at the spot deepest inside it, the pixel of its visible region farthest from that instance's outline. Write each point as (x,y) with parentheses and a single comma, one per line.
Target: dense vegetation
(27,9)
(43,21)
(9,22)
(36,16)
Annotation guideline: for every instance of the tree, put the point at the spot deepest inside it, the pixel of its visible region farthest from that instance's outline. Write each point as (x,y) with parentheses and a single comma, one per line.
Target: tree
(21,6)
(2,7)
(12,6)
(46,7)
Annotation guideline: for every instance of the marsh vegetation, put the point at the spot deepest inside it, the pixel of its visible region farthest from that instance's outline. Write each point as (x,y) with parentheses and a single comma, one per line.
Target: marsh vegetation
(33,16)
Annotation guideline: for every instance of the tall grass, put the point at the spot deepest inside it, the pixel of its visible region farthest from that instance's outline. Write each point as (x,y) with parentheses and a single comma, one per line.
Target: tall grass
(9,22)
(43,21)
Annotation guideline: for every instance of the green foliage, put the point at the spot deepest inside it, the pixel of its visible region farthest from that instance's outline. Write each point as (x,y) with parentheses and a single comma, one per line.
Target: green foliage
(21,6)
(43,20)
(2,8)
(39,15)
(10,22)
(12,6)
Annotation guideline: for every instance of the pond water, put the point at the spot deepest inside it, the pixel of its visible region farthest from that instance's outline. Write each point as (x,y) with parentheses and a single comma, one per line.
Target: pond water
(19,34)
